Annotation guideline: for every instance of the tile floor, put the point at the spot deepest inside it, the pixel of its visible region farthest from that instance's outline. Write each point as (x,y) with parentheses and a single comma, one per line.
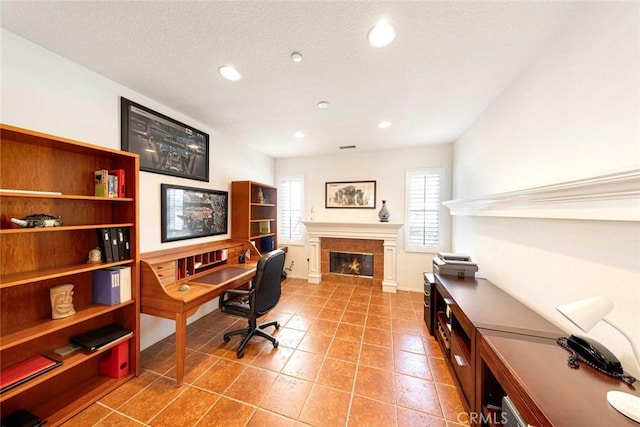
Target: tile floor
(348,356)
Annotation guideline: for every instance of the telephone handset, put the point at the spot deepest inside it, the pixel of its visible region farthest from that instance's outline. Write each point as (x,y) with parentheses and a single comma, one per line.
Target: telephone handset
(594,354)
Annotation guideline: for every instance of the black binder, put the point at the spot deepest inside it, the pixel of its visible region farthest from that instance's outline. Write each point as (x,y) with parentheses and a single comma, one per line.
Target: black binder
(114,244)
(121,244)
(104,241)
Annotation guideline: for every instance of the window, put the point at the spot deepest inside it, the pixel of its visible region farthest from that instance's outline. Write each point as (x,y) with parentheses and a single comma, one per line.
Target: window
(423,225)
(290,207)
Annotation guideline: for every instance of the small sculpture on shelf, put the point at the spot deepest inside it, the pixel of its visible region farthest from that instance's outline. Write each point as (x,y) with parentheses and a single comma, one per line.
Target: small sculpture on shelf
(38,221)
(260,196)
(62,301)
(95,256)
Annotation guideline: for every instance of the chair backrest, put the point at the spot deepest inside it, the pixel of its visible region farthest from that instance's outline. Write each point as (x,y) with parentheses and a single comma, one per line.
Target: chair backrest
(266,283)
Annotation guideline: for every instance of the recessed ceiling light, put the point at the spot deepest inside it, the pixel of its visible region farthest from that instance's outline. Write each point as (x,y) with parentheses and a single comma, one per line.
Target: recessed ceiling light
(381,34)
(296,57)
(229,73)
(323,104)
(384,124)
(299,135)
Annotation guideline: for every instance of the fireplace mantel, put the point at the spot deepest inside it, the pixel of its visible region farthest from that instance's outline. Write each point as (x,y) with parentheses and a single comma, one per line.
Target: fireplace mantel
(386,231)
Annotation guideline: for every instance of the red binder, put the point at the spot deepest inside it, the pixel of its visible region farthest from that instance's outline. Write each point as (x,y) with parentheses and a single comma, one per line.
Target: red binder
(21,372)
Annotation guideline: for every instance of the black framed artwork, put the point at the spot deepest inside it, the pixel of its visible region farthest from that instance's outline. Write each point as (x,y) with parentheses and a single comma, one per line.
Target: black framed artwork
(350,194)
(189,212)
(165,145)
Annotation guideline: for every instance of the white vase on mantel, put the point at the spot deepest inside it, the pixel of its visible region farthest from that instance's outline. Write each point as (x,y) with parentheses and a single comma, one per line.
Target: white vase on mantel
(384,212)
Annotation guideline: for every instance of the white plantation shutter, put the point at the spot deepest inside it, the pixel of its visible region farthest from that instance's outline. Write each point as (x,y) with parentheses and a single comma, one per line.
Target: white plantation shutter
(423,224)
(290,207)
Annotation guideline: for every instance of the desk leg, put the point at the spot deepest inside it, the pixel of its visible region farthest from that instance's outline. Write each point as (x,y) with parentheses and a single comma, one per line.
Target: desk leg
(181,346)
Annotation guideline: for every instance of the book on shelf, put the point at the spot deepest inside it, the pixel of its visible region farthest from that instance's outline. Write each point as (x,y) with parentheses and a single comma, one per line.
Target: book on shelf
(119,174)
(98,338)
(106,286)
(101,180)
(124,271)
(21,372)
(113,186)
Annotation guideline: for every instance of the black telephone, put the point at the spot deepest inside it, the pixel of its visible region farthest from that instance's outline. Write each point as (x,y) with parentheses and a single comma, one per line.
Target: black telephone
(594,354)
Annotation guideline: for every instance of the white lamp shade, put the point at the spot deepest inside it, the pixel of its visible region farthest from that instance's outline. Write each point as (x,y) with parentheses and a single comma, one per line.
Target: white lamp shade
(587,312)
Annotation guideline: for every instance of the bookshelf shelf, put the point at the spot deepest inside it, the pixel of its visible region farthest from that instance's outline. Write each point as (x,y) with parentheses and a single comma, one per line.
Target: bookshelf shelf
(22,278)
(69,362)
(25,333)
(62,228)
(5,194)
(34,260)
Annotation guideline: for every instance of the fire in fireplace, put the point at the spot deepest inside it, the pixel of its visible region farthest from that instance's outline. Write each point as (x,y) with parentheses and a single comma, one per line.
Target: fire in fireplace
(350,263)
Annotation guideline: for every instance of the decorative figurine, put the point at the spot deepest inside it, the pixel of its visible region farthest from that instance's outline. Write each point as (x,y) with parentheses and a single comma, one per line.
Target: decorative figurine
(260,196)
(38,221)
(95,256)
(62,301)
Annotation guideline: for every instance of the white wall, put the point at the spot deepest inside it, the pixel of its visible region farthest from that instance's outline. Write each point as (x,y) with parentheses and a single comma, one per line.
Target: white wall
(573,113)
(47,93)
(387,168)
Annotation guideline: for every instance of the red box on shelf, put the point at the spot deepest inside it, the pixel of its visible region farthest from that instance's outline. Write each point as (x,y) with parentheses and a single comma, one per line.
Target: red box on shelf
(115,363)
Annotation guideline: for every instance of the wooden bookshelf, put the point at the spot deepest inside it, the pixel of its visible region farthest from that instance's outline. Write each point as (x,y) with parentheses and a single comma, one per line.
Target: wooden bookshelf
(53,175)
(255,211)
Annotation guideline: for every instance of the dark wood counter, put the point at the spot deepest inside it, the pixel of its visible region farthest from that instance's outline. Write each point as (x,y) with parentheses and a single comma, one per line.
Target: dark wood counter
(534,373)
(487,306)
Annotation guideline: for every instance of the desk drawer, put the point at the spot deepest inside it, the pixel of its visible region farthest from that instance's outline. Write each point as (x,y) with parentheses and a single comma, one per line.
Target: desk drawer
(462,367)
(166,272)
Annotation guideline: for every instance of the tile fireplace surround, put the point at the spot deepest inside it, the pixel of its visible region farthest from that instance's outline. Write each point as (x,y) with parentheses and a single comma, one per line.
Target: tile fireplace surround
(324,234)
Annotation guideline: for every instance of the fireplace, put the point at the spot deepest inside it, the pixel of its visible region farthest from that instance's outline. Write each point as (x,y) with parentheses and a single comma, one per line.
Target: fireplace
(377,238)
(351,264)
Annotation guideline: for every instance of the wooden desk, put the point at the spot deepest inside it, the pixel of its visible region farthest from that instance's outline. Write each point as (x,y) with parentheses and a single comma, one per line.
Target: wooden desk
(478,303)
(535,375)
(207,270)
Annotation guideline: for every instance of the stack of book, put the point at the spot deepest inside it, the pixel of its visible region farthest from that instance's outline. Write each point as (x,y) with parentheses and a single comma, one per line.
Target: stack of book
(22,372)
(109,183)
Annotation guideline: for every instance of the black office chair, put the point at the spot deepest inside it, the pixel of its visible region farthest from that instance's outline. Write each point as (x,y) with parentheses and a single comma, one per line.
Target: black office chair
(257,301)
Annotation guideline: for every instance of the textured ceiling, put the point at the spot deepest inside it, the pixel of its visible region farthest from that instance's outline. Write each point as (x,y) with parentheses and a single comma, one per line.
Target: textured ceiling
(447,63)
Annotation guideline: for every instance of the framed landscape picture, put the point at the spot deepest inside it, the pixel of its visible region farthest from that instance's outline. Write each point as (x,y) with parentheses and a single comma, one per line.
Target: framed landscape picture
(189,212)
(164,145)
(350,194)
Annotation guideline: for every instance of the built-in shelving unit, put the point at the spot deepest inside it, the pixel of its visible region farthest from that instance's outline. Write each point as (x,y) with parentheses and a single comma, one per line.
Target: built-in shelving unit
(614,197)
(52,175)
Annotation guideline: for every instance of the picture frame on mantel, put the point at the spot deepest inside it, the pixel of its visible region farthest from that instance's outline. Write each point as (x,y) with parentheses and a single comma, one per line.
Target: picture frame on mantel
(165,145)
(189,212)
(350,195)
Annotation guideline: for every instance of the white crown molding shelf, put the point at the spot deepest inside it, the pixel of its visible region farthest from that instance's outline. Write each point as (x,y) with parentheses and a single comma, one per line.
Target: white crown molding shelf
(612,197)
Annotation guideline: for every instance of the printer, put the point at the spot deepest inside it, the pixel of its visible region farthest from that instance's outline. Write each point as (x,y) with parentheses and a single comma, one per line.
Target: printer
(452,264)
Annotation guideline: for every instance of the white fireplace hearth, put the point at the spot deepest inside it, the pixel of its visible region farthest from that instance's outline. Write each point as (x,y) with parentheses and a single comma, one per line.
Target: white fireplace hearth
(385,231)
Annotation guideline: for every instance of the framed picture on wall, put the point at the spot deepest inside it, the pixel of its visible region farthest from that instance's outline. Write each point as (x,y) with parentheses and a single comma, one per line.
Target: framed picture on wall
(350,194)
(189,212)
(164,145)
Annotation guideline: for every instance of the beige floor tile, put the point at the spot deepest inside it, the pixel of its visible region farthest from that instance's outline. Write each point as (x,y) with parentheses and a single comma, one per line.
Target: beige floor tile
(349,355)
